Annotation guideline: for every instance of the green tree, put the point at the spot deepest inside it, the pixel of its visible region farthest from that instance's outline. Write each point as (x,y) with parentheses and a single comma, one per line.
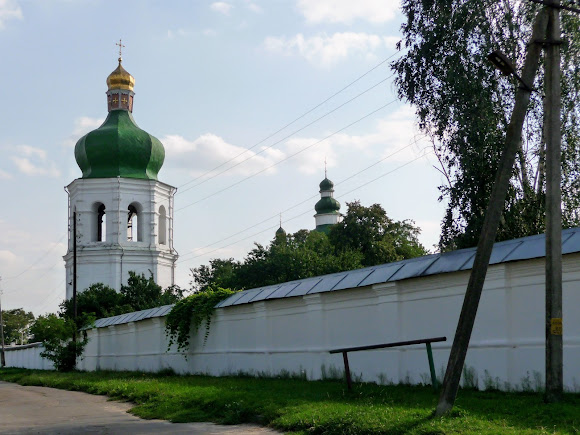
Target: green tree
(96,302)
(99,300)
(16,325)
(365,237)
(378,238)
(464,105)
(142,293)
(219,273)
(56,334)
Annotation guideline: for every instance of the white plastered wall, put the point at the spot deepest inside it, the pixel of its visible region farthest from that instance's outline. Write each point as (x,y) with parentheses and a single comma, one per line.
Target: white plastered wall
(109,261)
(294,334)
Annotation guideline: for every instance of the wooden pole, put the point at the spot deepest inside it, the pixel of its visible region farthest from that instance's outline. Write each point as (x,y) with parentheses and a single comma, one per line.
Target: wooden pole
(74,277)
(552,110)
(2,357)
(490,224)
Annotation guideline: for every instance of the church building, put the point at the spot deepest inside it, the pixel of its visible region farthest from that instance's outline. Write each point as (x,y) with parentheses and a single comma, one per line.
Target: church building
(119,212)
(327,208)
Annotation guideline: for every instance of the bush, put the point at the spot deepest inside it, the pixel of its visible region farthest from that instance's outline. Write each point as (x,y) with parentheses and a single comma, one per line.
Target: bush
(56,334)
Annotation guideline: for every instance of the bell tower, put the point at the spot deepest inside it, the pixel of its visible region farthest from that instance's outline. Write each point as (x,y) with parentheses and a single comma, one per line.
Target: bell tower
(124,214)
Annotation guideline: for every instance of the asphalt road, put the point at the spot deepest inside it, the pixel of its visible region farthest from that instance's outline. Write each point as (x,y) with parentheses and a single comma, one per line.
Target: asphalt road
(41,410)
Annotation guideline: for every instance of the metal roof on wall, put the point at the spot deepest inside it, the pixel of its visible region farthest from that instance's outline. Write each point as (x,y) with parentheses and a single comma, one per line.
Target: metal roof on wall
(133,317)
(511,250)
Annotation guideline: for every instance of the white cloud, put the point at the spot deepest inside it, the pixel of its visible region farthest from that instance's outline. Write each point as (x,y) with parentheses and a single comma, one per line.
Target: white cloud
(253,7)
(346,11)
(34,161)
(29,151)
(395,139)
(171,34)
(209,32)
(209,150)
(5,175)
(327,50)
(82,126)
(9,10)
(7,257)
(221,7)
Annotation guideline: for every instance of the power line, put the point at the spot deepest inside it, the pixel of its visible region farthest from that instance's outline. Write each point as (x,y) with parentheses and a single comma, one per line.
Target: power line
(37,278)
(299,215)
(288,157)
(38,260)
(304,201)
(288,136)
(292,122)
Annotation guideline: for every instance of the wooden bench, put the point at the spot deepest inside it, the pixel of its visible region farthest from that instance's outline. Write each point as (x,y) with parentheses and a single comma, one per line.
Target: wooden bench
(427,342)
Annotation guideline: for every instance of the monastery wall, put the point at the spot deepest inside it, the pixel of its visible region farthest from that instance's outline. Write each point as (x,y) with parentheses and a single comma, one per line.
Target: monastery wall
(294,334)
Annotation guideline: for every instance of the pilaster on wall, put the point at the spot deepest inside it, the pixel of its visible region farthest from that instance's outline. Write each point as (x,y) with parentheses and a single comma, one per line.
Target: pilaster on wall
(263,334)
(316,319)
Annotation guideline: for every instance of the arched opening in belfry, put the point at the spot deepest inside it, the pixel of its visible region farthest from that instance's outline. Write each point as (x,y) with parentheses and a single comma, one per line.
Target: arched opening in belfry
(99,226)
(134,223)
(162,226)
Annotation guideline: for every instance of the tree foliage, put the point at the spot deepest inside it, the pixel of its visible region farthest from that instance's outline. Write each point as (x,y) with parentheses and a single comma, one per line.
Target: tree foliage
(100,301)
(56,334)
(379,239)
(366,237)
(16,325)
(464,105)
(193,311)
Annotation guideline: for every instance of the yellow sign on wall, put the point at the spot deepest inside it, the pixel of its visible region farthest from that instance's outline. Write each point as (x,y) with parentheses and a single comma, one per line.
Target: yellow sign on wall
(556,326)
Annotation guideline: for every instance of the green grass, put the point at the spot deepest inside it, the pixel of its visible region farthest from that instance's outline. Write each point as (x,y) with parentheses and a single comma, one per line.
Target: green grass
(313,407)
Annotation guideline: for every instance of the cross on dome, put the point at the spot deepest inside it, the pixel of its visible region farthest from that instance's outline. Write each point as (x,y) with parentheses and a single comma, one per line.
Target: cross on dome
(121,46)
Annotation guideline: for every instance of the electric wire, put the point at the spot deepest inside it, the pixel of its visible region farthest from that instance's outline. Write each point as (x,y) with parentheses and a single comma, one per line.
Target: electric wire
(303,213)
(289,135)
(417,139)
(54,294)
(31,265)
(287,157)
(295,120)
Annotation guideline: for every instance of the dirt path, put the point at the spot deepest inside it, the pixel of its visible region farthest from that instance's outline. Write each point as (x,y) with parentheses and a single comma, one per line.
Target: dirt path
(41,410)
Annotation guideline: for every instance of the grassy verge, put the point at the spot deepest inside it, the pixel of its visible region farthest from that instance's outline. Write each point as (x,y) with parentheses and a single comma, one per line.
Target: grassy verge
(299,406)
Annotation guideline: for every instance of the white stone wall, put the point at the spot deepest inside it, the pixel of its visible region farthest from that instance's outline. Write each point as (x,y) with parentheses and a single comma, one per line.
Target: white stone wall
(28,357)
(295,334)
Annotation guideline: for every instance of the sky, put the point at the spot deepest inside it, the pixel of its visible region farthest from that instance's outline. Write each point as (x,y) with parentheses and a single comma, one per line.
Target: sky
(265,91)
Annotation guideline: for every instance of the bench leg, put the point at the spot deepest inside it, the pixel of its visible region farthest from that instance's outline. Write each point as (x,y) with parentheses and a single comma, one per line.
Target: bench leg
(431,366)
(347,371)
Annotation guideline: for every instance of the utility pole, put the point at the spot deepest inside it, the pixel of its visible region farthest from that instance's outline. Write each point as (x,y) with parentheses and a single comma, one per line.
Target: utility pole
(74,278)
(491,221)
(2,357)
(552,133)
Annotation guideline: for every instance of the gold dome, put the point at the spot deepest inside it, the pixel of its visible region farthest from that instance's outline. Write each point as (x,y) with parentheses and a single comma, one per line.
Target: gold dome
(120,79)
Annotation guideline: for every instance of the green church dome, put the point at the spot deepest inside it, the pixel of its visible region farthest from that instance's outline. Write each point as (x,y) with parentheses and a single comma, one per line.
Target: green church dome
(119,148)
(327,204)
(326,184)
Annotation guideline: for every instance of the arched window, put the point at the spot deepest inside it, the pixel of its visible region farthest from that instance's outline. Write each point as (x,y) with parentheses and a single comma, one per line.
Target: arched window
(99,224)
(162,226)
(134,223)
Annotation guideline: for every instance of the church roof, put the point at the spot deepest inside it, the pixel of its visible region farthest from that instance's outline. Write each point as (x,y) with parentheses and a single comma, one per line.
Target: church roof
(327,204)
(510,250)
(119,148)
(326,184)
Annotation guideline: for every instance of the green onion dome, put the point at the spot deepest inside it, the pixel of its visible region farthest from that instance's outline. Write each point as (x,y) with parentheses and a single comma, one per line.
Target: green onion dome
(327,204)
(119,148)
(326,184)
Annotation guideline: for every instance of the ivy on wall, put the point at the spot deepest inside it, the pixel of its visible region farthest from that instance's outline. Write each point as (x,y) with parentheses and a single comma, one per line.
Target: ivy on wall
(193,310)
